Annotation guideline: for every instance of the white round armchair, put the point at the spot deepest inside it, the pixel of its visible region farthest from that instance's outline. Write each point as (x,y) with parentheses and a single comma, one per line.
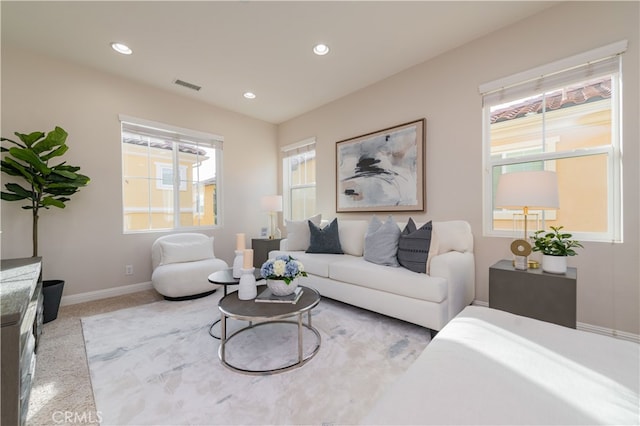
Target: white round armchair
(182,264)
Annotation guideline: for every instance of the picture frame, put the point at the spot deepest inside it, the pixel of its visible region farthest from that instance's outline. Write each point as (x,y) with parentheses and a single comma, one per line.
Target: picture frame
(382,171)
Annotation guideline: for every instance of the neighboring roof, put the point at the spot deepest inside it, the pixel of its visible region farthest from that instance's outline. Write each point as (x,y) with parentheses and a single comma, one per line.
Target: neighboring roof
(595,90)
(189,149)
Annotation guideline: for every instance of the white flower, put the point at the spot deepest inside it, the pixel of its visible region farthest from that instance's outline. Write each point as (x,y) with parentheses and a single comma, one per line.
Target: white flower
(300,266)
(278,267)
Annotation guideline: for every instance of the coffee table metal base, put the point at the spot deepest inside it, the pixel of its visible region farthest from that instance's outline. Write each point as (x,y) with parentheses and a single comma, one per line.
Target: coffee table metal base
(302,359)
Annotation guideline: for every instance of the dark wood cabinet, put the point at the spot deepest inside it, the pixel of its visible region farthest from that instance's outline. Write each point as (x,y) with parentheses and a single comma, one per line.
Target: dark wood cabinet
(534,293)
(22,316)
(261,248)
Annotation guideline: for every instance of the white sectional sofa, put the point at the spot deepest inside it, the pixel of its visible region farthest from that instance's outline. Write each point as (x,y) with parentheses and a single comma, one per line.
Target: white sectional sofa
(429,300)
(489,367)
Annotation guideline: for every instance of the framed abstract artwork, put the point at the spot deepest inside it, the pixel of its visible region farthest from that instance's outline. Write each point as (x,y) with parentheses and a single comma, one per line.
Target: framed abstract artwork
(382,171)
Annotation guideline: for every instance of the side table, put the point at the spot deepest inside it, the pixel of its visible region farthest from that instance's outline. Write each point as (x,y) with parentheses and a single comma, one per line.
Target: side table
(261,248)
(225,278)
(534,293)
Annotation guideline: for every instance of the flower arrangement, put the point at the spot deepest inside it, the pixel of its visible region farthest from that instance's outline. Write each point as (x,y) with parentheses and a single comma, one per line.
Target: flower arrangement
(283,267)
(555,243)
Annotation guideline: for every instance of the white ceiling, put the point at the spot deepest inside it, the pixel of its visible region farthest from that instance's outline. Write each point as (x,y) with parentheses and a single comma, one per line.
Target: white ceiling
(260,46)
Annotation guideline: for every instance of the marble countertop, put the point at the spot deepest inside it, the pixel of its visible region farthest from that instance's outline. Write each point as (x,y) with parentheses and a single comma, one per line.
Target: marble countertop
(17,283)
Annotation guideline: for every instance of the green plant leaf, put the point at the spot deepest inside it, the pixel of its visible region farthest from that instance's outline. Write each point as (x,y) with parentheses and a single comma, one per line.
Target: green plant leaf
(56,153)
(11,197)
(17,189)
(30,138)
(19,168)
(31,158)
(64,173)
(54,138)
(13,142)
(50,201)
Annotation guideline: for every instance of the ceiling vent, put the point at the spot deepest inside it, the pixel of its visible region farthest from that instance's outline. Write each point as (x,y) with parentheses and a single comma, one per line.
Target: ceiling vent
(187,85)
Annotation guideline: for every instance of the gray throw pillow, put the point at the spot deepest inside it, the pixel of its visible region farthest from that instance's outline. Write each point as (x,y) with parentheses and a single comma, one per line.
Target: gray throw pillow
(325,240)
(381,242)
(413,246)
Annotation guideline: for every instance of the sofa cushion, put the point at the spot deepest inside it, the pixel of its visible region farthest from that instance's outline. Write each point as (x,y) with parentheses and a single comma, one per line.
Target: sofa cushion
(298,235)
(454,235)
(413,246)
(314,263)
(400,281)
(325,240)
(186,251)
(381,242)
(351,233)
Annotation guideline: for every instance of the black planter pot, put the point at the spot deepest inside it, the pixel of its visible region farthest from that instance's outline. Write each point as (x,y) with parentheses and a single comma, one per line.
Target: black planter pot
(52,292)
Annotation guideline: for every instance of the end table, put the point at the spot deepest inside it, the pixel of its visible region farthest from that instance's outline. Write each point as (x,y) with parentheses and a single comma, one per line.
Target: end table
(261,248)
(534,293)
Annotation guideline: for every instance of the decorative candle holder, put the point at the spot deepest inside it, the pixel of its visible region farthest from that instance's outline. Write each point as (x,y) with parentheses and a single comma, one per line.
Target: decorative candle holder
(237,264)
(247,289)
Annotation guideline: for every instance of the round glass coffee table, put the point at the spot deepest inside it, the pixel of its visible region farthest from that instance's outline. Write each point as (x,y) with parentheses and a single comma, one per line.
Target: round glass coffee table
(261,313)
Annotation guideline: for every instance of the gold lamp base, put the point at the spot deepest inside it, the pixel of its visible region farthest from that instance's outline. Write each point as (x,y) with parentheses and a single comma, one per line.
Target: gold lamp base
(531,264)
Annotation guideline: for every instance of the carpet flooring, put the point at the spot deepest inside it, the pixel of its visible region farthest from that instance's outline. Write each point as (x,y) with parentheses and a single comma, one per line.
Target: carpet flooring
(61,391)
(157,364)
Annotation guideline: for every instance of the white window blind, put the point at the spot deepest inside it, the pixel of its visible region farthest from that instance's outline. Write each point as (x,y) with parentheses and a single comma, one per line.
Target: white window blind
(169,133)
(301,147)
(592,64)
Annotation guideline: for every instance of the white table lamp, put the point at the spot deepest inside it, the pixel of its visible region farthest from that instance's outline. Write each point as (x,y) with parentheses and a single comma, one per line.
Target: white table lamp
(273,205)
(534,190)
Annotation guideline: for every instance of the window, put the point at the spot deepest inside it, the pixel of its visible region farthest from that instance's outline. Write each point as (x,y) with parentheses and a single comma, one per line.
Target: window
(564,117)
(170,177)
(299,180)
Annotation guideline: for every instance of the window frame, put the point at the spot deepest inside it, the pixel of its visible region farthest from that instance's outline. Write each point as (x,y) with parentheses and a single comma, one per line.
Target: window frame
(523,82)
(288,152)
(175,135)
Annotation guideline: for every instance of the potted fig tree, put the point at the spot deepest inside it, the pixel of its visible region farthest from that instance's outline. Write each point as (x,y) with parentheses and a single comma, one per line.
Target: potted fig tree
(555,247)
(40,185)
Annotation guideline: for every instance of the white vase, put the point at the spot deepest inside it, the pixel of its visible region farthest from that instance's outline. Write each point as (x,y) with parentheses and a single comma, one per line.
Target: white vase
(280,288)
(554,264)
(237,264)
(247,289)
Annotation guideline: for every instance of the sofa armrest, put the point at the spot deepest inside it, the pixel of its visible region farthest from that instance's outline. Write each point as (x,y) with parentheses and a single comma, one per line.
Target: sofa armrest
(459,271)
(284,245)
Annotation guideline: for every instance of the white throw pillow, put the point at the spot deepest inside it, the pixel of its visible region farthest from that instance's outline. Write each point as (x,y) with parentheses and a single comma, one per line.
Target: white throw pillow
(298,234)
(186,251)
(352,234)
(434,249)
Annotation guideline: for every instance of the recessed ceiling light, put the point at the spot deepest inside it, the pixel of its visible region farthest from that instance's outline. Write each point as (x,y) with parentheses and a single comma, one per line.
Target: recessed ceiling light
(321,49)
(121,48)
(249,95)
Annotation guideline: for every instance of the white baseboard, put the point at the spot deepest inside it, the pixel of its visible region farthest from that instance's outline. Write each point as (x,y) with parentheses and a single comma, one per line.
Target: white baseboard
(103,294)
(590,328)
(608,332)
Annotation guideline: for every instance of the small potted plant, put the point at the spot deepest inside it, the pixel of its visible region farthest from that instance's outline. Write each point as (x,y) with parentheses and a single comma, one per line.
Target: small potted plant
(555,246)
(282,274)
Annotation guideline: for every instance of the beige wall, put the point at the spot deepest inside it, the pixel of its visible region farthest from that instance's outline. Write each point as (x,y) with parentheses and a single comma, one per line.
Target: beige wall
(84,243)
(445,91)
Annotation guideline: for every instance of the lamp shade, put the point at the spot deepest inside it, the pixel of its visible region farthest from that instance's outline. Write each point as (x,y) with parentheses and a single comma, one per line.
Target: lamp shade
(537,190)
(271,203)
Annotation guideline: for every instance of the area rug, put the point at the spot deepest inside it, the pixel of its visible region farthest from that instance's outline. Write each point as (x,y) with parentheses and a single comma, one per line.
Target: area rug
(157,365)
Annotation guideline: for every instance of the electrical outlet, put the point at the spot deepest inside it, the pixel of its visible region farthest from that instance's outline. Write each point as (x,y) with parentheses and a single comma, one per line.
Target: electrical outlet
(128,269)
